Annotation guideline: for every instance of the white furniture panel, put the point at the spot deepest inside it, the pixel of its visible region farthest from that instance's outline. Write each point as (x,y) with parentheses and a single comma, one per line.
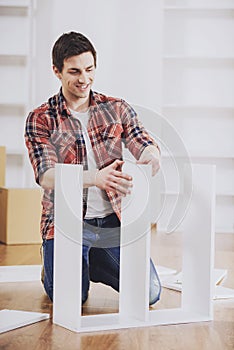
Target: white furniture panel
(12,319)
(67,245)
(198,261)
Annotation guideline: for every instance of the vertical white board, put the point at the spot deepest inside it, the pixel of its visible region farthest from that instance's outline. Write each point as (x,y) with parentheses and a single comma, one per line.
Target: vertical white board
(135,245)
(198,242)
(68,245)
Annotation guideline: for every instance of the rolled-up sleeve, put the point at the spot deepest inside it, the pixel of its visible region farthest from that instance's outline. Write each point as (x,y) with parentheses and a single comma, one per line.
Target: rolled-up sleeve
(42,153)
(136,138)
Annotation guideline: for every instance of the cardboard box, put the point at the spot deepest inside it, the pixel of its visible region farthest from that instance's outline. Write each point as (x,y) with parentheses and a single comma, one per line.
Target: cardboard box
(2,166)
(20,213)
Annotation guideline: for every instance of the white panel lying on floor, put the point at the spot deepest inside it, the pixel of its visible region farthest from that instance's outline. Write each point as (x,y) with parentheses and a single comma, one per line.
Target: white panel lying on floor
(20,273)
(164,271)
(223,293)
(198,254)
(11,319)
(175,282)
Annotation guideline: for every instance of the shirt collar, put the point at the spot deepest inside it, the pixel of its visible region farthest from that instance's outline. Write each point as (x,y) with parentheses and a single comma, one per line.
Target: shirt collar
(62,107)
(64,110)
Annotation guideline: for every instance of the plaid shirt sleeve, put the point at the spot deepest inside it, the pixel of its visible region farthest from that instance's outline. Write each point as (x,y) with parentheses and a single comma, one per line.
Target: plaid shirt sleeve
(41,151)
(136,138)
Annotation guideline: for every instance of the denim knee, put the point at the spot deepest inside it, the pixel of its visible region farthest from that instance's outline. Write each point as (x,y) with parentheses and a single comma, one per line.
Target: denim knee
(155,285)
(48,261)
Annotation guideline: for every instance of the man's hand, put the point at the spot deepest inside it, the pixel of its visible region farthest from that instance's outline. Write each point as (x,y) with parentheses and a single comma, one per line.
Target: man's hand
(47,179)
(151,155)
(111,179)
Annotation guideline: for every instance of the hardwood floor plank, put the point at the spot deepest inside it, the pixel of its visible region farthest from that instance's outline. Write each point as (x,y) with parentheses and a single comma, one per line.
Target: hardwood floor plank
(166,250)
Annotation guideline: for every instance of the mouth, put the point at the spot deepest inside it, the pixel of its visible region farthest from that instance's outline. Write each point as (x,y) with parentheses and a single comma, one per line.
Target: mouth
(83,87)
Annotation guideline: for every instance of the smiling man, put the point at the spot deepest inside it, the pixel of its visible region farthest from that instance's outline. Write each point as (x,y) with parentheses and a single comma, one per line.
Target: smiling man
(80,126)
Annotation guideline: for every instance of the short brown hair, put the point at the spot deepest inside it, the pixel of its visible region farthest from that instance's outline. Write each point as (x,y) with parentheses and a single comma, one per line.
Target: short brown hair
(71,44)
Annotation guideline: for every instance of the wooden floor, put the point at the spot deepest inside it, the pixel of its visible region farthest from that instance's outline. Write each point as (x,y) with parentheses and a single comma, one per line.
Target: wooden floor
(167,251)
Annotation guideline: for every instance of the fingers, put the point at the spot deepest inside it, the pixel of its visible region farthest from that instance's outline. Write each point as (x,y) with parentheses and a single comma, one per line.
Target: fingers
(155,168)
(111,179)
(122,175)
(118,181)
(121,190)
(117,163)
(154,162)
(121,185)
(117,173)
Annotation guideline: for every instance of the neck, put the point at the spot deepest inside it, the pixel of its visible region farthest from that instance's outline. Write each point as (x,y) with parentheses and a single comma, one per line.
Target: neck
(78,104)
(78,107)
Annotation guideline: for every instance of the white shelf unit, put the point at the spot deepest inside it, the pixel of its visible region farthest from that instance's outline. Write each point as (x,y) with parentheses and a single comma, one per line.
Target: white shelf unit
(198,96)
(16,59)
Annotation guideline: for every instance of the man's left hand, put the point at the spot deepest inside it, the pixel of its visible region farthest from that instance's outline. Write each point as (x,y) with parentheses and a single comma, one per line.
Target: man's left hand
(151,155)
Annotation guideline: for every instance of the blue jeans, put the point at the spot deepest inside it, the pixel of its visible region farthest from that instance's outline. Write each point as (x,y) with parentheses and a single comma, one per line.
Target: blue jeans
(101,258)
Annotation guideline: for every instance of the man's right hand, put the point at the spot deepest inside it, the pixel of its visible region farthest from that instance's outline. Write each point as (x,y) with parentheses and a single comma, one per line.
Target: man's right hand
(107,178)
(111,179)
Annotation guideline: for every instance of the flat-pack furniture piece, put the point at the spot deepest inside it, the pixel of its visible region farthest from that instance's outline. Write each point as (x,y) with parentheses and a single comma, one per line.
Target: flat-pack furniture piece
(2,166)
(198,253)
(20,214)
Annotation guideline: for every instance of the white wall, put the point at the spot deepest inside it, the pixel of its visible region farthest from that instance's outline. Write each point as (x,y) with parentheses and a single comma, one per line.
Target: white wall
(197,83)
(127,36)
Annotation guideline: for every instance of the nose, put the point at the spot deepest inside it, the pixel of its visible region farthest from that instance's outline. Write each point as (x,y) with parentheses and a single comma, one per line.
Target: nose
(83,78)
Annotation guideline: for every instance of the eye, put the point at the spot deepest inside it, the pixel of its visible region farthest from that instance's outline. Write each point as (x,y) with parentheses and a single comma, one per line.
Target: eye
(74,71)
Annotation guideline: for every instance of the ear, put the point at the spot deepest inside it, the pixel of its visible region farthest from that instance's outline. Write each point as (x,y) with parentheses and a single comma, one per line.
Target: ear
(56,72)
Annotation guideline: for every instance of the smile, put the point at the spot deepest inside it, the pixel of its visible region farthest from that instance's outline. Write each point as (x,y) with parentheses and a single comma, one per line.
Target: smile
(83,87)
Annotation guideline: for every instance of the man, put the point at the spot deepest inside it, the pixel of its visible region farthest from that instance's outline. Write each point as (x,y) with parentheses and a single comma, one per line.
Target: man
(79,126)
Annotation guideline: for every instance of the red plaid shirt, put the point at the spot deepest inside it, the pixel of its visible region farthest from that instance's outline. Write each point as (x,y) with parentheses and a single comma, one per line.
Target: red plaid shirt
(53,136)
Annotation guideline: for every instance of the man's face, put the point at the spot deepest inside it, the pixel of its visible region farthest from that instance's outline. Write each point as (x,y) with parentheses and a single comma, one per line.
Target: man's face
(77,76)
